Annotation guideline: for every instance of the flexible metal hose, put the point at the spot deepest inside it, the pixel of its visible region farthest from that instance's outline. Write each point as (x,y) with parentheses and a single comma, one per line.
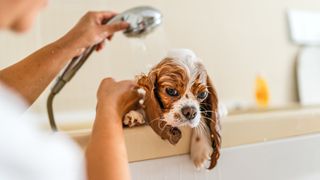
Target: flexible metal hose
(53,124)
(72,68)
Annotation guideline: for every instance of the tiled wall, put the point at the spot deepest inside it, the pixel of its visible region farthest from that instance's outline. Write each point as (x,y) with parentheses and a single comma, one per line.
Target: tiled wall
(236,39)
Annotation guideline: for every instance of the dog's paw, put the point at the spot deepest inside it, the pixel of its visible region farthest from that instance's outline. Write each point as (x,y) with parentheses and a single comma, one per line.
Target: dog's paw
(133,118)
(200,152)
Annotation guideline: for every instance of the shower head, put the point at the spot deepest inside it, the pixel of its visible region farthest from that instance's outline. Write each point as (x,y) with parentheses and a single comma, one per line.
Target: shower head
(142,20)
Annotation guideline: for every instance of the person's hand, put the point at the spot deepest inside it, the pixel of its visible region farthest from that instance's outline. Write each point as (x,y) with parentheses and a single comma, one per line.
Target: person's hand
(90,31)
(120,96)
(106,153)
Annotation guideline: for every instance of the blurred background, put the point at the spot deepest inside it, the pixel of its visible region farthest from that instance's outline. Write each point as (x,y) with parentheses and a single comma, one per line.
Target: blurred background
(262,55)
(237,40)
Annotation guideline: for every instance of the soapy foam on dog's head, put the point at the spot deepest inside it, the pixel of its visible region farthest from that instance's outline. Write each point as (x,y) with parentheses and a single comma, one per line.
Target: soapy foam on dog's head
(188,59)
(183,54)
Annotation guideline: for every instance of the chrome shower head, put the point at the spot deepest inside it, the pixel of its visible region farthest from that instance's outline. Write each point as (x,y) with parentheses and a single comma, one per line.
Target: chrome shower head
(142,20)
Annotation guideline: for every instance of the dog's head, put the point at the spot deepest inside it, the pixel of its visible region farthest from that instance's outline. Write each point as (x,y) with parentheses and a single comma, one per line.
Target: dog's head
(184,94)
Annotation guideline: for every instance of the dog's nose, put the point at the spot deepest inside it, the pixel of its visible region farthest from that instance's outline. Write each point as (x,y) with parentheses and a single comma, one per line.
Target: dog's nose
(189,112)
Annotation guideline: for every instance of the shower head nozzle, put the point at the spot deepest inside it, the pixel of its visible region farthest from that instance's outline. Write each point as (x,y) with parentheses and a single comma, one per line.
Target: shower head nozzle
(142,20)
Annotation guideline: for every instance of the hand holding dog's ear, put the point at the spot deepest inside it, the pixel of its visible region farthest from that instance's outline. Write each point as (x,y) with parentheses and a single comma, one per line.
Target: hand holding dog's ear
(153,110)
(123,95)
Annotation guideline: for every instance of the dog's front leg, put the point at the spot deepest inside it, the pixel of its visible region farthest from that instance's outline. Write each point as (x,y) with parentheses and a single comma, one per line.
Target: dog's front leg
(201,149)
(134,118)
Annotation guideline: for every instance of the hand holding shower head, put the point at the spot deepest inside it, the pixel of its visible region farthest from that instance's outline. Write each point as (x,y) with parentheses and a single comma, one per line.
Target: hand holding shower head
(142,20)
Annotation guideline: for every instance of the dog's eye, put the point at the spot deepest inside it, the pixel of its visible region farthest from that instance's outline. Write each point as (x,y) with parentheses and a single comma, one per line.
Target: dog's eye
(202,95)
(172,92)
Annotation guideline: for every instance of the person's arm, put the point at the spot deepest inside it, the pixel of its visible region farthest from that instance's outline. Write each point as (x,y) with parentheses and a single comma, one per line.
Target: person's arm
(31,76)
(106,153)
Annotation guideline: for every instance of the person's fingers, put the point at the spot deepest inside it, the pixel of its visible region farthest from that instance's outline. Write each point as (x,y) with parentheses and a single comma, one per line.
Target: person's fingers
(112,28)
(100,46)
(132,88)
(107,81)
(105,16)
(133,101)
(127,82)
(110,37)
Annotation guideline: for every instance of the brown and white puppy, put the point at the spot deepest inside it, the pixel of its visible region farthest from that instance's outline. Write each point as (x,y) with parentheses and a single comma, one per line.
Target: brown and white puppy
(186,96)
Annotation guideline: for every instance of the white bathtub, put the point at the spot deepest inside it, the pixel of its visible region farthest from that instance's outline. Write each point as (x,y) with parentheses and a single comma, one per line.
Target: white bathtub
(271,145)
(286,159)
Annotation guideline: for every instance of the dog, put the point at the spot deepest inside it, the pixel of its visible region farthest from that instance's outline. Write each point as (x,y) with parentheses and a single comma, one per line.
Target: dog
(186,97)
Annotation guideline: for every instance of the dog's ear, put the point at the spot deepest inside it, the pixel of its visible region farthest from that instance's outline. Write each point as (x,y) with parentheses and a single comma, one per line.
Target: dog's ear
(147,81)
(209,108)
(153,110)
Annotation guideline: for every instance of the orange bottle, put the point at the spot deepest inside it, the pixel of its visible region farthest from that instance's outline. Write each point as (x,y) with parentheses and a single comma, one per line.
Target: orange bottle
(262,92)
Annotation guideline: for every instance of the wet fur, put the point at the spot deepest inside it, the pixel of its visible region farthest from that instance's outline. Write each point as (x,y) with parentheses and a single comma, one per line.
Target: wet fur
(183,77)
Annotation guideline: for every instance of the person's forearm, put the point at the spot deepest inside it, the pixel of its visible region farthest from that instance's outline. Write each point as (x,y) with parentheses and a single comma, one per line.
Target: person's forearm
(106,153)
(33,74)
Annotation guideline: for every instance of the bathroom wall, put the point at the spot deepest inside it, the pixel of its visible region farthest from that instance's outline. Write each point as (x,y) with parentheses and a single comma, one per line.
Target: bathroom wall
(236,40)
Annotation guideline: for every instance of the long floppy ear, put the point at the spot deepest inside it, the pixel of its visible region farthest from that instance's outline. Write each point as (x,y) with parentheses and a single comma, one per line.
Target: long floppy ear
(210,111)
(147,82)
(153,110)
